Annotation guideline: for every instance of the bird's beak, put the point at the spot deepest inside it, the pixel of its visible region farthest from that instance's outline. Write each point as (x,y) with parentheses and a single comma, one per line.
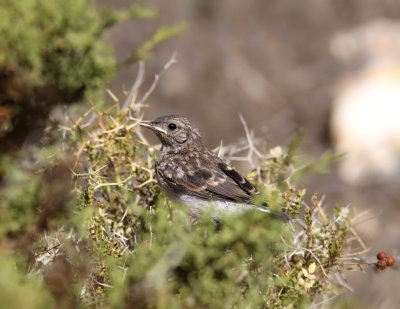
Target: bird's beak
(152,126)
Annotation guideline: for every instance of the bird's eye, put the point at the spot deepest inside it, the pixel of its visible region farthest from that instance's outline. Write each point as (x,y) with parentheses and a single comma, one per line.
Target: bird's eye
(172,126)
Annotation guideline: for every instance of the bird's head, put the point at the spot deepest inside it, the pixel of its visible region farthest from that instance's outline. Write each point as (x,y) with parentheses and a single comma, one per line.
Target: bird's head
(173,130)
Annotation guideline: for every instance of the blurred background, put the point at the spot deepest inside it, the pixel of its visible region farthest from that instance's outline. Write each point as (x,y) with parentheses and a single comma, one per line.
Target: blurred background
(330,67)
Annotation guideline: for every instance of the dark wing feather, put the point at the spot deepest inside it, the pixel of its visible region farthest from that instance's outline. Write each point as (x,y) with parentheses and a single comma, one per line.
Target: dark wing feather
(239,179)
(220,182)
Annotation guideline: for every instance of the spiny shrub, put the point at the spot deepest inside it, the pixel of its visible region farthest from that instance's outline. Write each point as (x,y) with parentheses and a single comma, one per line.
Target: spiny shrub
(147,252)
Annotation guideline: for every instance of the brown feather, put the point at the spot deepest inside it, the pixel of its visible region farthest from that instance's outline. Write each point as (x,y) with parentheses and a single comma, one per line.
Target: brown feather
(186,167)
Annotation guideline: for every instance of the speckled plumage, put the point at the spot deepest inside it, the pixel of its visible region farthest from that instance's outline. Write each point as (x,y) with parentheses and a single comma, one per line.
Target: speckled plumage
(191,174)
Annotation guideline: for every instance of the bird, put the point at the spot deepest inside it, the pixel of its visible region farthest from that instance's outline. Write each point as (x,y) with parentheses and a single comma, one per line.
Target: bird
(190,174)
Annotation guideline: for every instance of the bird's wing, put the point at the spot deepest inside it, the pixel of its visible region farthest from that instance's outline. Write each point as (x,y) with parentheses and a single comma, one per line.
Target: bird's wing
(241,181)
(220,182)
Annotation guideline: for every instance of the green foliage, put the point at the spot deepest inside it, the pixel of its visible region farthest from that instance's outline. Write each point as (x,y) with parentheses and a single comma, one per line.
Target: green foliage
(137,10)
(17,290)
(59,43)
(56,42)
(199,265)
(162,34)
(18,198)
(54,52)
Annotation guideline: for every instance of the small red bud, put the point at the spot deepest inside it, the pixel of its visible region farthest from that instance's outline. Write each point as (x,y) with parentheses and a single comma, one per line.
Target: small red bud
(381,264)
(381,256)
(390,261)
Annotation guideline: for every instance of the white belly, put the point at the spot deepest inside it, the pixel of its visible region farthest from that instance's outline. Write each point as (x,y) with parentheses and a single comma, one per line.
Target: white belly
(216,207)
